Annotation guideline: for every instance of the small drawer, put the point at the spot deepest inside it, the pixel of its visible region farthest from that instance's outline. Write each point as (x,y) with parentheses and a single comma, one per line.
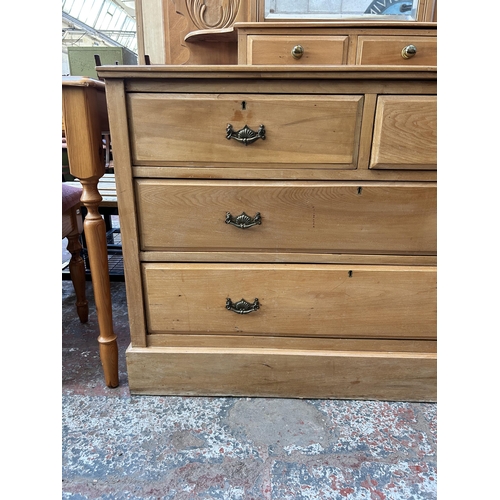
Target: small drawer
(405,133)
(404,50)
(291,300)
(296,49)
(245,130)
(308,217)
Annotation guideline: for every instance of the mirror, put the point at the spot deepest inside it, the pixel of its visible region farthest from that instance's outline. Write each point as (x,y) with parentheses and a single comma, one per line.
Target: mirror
(397,10)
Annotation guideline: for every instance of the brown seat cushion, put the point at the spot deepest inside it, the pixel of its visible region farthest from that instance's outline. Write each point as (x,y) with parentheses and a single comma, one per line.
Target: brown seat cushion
(70,196)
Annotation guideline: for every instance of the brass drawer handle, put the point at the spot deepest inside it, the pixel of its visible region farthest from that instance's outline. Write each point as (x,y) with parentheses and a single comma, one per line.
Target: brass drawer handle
(243,221)
(408,51)
(298,51)
(242,306)
(245,135)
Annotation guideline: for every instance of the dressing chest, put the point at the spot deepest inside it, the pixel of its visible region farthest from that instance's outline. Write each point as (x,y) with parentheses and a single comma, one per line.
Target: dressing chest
(278,228)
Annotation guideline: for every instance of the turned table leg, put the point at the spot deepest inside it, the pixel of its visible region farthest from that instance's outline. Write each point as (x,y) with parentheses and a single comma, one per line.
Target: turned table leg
(95,234)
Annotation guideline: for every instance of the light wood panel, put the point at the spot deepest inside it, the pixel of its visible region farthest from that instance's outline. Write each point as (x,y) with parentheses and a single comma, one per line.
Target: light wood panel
(126,208)
(282,373)
(308,344)
(283,257)
(387,50)
(405,134)
(321,173)
(150,25)
(369,78)
(298,129)
(294,216)
(295,300)
(273,49)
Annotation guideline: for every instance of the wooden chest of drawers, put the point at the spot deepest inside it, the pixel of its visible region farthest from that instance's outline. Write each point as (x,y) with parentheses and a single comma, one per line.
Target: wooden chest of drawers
(278,228)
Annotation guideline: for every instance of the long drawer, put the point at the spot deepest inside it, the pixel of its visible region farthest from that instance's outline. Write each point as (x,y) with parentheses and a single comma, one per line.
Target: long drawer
(291,300)
(331,217)
(239,130)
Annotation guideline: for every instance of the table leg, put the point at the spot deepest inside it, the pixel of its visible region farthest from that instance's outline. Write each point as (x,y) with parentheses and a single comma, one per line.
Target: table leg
(95,233)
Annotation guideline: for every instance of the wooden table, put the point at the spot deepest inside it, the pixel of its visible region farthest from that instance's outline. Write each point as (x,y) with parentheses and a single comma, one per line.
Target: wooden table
(85,118)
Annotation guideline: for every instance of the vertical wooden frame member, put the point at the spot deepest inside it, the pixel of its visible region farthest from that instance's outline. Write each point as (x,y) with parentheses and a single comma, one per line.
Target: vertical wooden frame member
(427,11)
(117,109)
(365,141)
(151,32)
(139,22)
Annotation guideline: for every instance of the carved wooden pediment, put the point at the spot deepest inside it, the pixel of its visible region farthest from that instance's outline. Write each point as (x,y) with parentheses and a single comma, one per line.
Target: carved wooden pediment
(210,14)
(215,14)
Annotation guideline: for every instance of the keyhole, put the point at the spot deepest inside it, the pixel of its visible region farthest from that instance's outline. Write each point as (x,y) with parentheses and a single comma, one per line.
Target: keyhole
(243,105)
(359,190)
(349,274)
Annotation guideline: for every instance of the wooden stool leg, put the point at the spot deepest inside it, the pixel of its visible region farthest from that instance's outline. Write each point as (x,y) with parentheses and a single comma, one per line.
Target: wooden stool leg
(95,234)
(77,273)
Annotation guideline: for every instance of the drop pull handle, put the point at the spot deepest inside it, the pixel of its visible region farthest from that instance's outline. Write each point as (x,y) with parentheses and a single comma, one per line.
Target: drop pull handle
(245,135)
(243,221)
(242,306)
(298,51)
(408,52)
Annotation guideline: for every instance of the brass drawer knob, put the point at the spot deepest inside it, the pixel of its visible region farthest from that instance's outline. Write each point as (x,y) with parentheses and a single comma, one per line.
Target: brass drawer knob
(243,221)
(246,135)
(408,51)
(298,51)
(242,306)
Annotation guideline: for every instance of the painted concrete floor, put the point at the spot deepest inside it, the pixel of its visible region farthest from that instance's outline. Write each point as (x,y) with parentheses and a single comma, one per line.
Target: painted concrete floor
(118,446)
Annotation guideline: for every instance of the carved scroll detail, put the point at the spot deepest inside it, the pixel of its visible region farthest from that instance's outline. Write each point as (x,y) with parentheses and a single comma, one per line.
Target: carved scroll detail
(200,13)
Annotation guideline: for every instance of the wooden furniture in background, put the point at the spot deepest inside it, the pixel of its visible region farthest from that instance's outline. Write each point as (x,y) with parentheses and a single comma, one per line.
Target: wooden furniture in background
(85,118)
(72,228)
(196,32)
(108,208)
(279,236)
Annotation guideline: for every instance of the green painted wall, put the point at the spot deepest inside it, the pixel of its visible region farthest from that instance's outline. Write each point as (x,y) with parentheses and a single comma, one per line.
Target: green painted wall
(82,62)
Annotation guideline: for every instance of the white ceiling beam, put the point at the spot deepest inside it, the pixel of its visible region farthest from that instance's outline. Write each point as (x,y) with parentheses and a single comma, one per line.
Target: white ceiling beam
(90,30)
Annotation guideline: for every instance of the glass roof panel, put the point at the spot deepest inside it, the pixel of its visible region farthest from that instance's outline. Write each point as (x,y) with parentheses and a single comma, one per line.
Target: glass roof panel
(113,21)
